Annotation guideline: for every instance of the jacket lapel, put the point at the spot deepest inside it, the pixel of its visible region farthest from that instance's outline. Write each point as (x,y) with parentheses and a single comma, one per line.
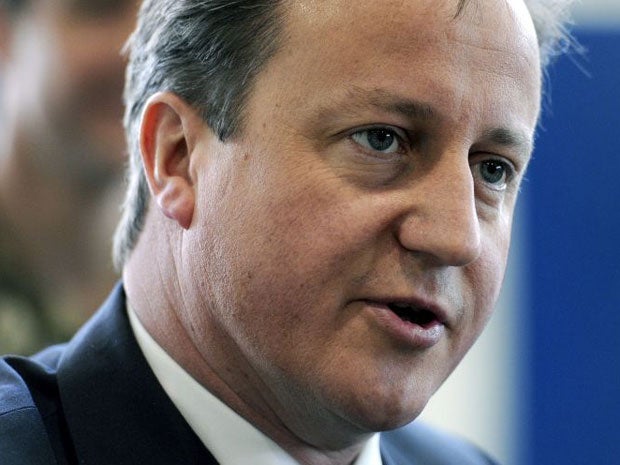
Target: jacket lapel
(115,409)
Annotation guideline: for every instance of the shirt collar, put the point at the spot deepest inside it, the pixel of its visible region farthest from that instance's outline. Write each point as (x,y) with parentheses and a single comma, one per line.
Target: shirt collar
(229,437)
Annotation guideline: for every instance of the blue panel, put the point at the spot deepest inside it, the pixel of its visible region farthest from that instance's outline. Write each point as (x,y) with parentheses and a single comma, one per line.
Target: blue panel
(574,199)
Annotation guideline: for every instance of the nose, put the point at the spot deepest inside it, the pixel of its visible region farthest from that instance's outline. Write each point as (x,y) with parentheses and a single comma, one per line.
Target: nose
(442,221)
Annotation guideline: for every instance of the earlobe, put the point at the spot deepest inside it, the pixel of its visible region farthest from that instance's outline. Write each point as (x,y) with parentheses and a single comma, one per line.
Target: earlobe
(176,201)
(166,140)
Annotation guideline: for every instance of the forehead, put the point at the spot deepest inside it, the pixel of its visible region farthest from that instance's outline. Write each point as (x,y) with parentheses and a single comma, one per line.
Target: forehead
(440,27)
(481,56)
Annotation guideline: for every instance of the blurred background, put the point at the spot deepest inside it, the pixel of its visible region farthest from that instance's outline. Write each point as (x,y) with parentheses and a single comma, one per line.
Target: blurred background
(61,162)
(542,386)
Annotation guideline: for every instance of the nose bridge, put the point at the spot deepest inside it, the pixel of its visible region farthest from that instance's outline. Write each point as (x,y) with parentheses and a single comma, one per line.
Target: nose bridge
(442,220)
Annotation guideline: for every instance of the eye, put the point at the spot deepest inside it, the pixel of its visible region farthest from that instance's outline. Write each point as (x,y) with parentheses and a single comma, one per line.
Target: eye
(495,173)
(379,139)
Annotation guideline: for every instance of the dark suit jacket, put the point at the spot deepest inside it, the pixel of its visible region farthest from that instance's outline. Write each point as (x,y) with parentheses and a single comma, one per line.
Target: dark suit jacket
(95,401)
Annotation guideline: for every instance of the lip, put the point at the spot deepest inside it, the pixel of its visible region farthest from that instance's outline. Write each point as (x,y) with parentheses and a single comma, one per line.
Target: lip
(405,332)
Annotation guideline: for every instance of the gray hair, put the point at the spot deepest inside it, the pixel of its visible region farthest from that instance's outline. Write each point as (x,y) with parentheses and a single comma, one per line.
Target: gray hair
(189,46)
(551,19)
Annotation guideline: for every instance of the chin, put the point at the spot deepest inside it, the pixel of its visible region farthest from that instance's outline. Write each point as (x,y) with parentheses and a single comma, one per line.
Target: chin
(385,421)
(386,412)
(387,424)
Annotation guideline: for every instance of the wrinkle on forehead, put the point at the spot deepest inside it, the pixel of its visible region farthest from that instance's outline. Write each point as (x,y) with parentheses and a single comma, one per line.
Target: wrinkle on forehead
(317,12)
(405,46)
(405,17)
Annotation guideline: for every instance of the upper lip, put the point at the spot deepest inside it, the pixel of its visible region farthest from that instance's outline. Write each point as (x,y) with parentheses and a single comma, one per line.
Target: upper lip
(431,305)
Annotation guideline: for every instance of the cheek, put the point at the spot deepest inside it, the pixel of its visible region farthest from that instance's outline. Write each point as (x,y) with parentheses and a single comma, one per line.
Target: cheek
(281,260)
(484,280)
(290,254)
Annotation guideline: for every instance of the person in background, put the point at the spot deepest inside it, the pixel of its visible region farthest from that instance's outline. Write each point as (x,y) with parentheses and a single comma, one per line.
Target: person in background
(315,232)
(61,159)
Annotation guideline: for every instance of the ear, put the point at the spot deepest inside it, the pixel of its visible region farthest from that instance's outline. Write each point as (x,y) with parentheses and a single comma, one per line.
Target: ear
(167,139)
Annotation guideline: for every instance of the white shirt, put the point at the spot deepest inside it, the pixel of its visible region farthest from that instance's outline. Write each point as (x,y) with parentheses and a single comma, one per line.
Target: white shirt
(229,437)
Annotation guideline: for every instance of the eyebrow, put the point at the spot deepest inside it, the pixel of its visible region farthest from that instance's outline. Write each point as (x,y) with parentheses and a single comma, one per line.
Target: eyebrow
(359,99)
(508,138)
(410,108)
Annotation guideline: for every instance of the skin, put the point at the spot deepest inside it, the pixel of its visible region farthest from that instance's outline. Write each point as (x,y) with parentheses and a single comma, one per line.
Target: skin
(265,259)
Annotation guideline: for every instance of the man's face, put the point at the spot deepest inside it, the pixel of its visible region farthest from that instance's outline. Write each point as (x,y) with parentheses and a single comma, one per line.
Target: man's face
(348,248)
(67,58)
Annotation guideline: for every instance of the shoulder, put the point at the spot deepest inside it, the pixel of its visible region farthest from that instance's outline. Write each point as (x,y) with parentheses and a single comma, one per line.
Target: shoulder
(25,381)
(28,399)
(418,443)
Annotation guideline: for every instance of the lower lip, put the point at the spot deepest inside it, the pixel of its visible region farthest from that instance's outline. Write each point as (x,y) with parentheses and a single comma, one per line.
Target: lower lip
(405,332)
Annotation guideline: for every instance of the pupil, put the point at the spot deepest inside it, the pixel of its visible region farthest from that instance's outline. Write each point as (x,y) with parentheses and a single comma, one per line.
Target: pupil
(380,139)
(492,172)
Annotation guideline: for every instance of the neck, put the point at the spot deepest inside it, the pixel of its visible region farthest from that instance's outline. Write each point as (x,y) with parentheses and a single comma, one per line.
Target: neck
(311,436)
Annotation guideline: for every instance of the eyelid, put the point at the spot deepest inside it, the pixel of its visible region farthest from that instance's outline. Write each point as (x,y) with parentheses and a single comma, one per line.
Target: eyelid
(509,177)
(512,168)
(401,134)
(516,159)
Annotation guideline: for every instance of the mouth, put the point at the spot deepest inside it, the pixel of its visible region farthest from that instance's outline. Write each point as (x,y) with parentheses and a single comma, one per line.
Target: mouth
(416,323)
(423,317)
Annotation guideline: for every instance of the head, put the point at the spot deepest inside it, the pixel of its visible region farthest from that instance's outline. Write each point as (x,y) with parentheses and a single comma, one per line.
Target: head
(232,42)
(329,190)
(63,75)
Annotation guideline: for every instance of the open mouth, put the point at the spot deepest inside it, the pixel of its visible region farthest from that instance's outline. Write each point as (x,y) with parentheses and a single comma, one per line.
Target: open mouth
(417,316)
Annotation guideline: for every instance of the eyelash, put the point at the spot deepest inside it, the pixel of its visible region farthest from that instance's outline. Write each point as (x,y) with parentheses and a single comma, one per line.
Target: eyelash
(508,172)
(402,138)
(399,136)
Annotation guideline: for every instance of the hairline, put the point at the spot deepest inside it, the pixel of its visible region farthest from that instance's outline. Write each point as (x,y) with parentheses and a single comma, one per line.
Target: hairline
(237,116)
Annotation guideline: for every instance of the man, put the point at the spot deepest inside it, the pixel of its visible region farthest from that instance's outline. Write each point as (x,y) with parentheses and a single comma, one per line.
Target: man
(61,156)
(315,232)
